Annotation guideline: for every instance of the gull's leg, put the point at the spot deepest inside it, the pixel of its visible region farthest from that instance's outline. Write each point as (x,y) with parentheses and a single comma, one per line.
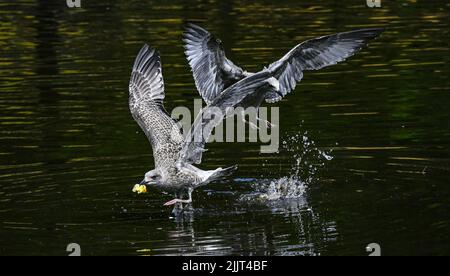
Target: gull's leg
(173,201)
(252,125)
(177,200)
(267,123)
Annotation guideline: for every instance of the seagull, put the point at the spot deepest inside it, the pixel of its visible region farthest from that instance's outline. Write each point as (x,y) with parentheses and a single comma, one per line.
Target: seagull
(213,72)
(173,154)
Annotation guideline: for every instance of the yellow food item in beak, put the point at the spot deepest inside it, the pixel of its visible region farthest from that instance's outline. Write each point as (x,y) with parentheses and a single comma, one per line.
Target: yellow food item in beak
(140,189)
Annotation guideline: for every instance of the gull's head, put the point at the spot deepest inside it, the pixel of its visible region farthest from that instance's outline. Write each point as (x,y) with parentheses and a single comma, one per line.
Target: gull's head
(274,83)
(151,178)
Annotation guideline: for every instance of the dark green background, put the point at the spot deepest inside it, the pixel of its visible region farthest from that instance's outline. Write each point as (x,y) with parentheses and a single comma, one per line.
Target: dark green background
(70,151)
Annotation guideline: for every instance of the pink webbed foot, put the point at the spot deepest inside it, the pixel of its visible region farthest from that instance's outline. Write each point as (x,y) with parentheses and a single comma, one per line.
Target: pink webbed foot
(176,200)
(172,202)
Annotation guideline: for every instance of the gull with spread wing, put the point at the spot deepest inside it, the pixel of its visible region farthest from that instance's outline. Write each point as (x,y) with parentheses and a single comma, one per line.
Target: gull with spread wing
(213,72)
(173,154)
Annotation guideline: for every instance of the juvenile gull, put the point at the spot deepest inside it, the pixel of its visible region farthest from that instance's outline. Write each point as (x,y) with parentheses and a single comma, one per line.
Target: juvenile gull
(173,155)
(213,72)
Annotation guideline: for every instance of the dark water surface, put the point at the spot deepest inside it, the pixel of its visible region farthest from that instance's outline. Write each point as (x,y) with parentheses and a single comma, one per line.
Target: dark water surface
(70,152)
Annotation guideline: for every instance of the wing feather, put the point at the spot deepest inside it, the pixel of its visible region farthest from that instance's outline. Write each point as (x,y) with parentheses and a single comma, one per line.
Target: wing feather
(211,69)
(315,54)
(213,114)
(146,105)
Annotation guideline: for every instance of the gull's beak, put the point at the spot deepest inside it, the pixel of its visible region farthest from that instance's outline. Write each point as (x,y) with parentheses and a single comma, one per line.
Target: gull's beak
(143,182)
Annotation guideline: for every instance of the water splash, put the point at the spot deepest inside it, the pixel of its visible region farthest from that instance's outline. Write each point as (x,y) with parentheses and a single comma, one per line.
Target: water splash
(306,160)
(283,188)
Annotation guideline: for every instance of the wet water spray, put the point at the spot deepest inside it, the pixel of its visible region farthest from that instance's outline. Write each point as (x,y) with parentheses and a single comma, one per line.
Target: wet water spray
(305,161)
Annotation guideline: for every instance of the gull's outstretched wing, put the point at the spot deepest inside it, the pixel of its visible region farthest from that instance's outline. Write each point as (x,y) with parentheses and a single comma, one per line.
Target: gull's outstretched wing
(146,105)
(315,54)
(212,71)
(213,114)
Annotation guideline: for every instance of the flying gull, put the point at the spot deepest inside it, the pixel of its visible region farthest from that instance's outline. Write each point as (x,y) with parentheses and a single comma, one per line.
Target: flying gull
(173,154)
(213,72)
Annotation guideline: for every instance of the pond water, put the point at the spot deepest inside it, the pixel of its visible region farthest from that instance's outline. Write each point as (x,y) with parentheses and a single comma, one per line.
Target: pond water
(365,145)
